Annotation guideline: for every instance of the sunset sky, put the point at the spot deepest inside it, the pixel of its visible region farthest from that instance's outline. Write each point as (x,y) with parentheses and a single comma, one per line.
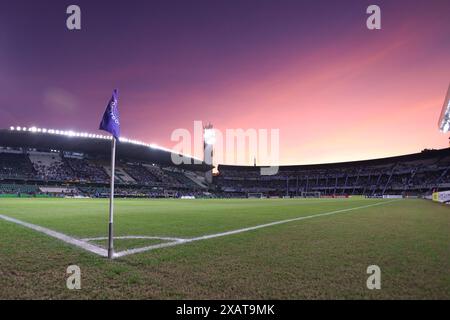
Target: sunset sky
(335,90)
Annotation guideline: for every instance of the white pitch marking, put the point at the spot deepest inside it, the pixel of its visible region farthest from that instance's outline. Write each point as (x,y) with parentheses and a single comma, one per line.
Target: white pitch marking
(135,237)
(61,236)
(102,252)
(216,235)
(152,247)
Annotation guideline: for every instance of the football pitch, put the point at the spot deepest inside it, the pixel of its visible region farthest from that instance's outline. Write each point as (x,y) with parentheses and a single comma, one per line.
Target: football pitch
(226,249)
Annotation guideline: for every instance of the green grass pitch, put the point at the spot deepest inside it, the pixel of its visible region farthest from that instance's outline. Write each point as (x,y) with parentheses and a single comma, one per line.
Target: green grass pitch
(319,258)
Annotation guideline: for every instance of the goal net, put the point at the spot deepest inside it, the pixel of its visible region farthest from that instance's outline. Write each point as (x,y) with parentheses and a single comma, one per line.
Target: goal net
(311,194)
(255,195)
(170,194)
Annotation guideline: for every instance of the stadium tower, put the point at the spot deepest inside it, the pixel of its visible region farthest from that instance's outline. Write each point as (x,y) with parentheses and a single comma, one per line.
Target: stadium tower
(444,119)
(209,138)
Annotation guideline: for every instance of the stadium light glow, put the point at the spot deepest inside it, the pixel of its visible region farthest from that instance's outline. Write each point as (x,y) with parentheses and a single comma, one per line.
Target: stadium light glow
(71,133)
(444,119)
(209,136)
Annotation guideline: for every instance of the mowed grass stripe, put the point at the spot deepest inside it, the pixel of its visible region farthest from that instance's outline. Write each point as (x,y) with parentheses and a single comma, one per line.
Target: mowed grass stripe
(246,229)
(319,258)
(177,218)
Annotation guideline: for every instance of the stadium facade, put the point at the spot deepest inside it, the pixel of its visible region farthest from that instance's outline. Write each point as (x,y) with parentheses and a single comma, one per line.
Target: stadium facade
(44,162)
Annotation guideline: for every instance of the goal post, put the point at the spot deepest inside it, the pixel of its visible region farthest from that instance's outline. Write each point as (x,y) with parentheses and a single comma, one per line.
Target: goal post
(311,194)
(255,195)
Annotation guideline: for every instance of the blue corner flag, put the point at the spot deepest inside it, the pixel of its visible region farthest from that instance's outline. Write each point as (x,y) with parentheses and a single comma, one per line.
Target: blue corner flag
(110,121)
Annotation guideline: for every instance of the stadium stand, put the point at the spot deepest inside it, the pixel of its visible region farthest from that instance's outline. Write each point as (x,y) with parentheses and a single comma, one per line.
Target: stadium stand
(197,178)
(162,176)
(180,178)
(413,174)
(50,166)
(12,188)
(142,175)
(41,164)
(16,165)
(120,175)
(87,171)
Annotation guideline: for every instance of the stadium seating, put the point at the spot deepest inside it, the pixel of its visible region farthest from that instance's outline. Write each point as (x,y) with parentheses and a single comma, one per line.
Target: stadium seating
(405,175)
(50,166)
(120,175)
(15,166)
(142,175)
(58,172)
(181,179)
(12,188)
(87,171)
(162,175)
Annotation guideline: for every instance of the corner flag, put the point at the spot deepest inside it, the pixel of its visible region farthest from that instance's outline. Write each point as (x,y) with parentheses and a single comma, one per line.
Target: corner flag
(111,123)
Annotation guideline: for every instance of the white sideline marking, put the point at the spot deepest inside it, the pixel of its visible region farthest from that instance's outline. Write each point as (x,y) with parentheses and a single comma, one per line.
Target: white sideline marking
(84,244)
(61,236)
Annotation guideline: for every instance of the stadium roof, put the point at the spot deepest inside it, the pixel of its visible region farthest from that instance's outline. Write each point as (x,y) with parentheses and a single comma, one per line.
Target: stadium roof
(425,154)
(131,150)
(93,144)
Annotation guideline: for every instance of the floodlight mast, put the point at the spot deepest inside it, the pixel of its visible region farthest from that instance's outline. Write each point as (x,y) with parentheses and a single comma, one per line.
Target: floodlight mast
(209,138)
(444,119)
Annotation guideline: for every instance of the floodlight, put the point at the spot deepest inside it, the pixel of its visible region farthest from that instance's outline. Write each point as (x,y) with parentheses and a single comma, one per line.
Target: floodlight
(210,136)
(444,119)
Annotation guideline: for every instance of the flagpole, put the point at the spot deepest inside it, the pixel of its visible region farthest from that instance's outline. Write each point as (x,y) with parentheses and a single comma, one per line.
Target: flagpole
(111,201)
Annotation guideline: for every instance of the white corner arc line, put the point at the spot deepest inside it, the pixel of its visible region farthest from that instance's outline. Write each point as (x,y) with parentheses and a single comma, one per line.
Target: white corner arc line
(135,237)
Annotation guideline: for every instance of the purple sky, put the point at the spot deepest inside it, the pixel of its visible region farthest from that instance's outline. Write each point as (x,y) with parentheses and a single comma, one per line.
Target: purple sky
(312,69)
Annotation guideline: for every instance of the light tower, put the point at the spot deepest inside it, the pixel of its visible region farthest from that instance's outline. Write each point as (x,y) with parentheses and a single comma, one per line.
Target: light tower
(444,119)
(209,138)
